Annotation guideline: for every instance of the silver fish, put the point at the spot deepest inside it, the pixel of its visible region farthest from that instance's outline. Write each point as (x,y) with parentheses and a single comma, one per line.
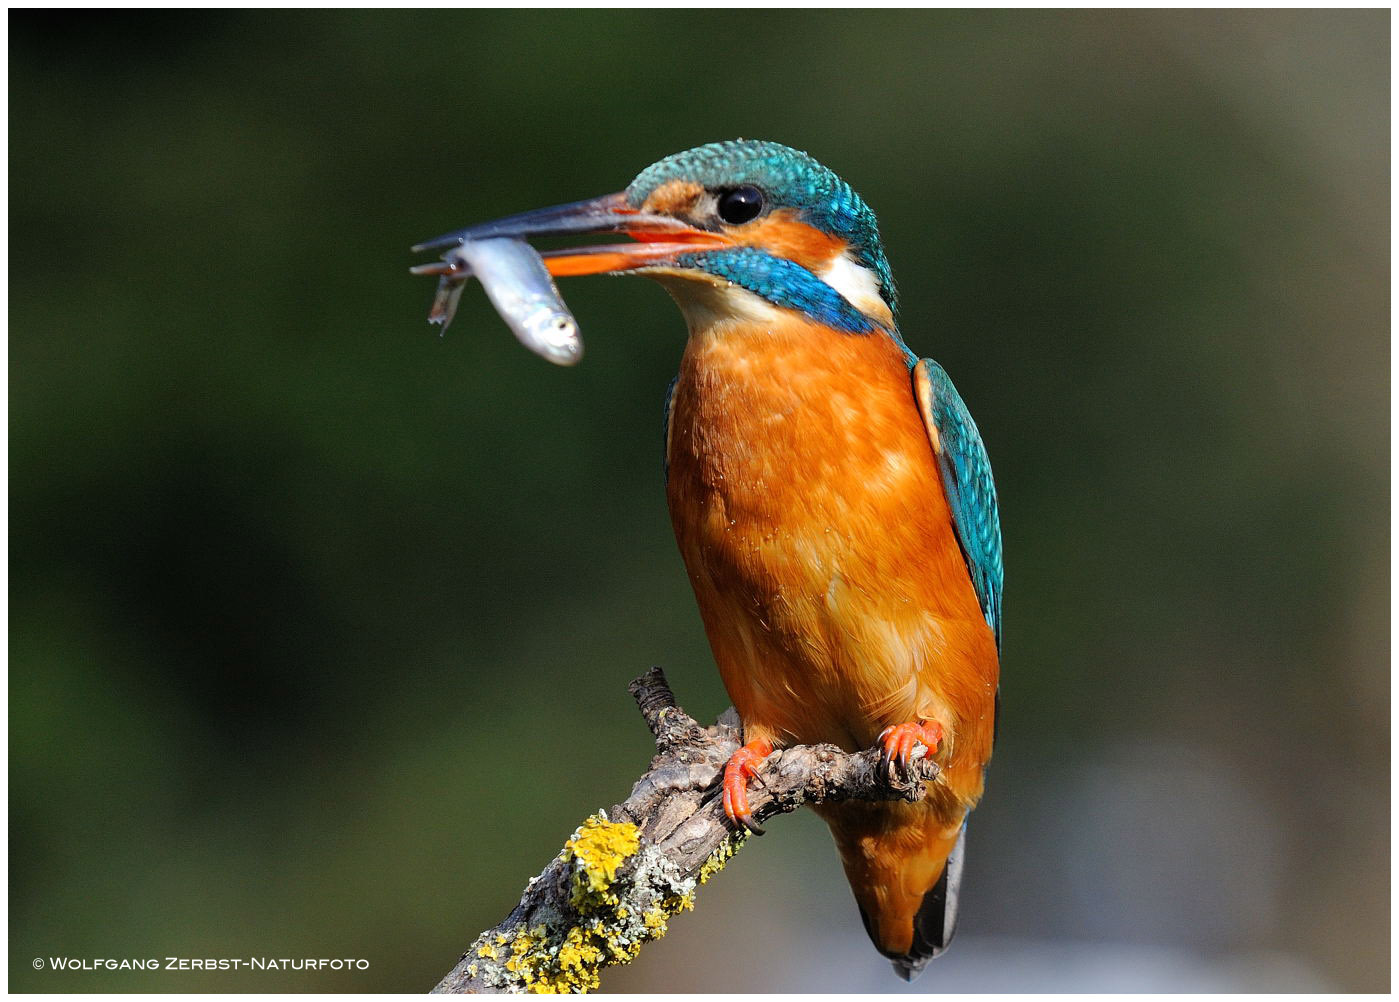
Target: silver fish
(520,288)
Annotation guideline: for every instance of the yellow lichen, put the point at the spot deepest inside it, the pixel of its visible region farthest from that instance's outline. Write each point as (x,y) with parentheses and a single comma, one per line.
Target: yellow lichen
(624,953)
(576,953)
(677,903)
(721,856)
(599,847)
(572,969)
(566,953)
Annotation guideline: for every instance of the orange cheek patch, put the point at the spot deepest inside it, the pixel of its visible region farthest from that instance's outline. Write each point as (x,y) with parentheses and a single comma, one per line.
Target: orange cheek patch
(782,234)
(674,198)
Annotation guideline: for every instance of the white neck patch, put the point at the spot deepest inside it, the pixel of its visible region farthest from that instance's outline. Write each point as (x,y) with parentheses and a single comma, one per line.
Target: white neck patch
(859,286)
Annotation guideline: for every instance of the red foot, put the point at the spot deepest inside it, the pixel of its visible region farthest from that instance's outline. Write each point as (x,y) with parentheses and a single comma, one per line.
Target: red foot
(900,741)
(742,767)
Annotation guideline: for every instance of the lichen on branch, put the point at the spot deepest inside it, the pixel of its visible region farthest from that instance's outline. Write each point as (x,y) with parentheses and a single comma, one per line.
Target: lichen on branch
(625,873)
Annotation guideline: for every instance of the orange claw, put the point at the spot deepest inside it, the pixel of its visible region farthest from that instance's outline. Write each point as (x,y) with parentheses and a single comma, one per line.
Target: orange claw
(900,740)
(742,767)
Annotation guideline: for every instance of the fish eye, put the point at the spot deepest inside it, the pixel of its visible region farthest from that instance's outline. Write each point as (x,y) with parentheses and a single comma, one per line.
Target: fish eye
(741,204)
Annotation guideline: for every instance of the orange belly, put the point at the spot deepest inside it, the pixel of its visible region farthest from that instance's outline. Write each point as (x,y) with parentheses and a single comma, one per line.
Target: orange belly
(811,518)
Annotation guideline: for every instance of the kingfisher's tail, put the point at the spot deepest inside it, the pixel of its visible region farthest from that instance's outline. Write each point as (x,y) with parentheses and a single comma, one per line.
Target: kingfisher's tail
(936,919)
(904,864)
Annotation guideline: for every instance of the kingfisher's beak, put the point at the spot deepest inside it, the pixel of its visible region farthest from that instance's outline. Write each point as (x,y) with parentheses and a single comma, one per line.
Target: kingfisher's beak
(661,238)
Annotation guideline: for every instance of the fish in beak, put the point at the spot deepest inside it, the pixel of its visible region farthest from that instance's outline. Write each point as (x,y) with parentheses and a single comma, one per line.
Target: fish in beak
(519,280)
(659,237)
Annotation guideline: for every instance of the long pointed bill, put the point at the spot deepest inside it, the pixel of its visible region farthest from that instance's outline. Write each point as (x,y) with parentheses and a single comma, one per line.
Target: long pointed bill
(661,237)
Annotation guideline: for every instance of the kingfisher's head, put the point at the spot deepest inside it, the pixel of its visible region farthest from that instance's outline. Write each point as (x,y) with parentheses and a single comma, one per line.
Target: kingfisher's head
(730,228)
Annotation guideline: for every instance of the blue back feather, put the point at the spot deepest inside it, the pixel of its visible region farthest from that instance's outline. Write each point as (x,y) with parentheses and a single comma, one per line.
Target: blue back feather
(971,491)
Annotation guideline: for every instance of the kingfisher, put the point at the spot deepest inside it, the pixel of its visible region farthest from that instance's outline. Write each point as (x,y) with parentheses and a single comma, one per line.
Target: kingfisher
(831,497)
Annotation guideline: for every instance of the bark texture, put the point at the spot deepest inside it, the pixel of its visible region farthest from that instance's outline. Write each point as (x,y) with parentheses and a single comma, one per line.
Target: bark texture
(628,871)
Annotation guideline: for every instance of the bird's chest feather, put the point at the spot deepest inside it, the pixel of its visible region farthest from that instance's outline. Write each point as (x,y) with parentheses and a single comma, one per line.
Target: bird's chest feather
(809,513)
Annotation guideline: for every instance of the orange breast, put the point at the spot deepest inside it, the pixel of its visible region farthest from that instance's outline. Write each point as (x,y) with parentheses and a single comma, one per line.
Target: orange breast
(812,521)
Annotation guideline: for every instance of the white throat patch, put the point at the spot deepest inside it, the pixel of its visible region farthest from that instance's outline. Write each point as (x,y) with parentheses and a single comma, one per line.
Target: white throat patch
(708,301)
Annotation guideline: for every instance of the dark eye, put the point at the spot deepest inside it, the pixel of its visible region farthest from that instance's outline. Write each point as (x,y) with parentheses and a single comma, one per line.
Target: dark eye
(740,205)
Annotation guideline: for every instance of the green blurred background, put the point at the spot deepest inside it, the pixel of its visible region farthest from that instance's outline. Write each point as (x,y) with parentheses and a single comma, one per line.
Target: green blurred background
(320,624)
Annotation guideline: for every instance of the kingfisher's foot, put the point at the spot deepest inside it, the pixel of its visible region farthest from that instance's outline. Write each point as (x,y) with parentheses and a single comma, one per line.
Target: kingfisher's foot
(742,767)
(902,744)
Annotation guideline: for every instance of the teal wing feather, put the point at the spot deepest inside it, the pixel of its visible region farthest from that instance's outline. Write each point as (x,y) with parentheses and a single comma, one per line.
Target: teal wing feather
(966,477)
(667,409)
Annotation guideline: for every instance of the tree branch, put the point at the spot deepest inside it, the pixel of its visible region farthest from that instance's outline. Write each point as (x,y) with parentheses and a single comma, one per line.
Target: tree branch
(626,872)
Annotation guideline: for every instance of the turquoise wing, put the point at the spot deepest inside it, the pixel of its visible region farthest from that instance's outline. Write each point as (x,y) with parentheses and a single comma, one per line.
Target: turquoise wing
(666,410)
(966,477)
